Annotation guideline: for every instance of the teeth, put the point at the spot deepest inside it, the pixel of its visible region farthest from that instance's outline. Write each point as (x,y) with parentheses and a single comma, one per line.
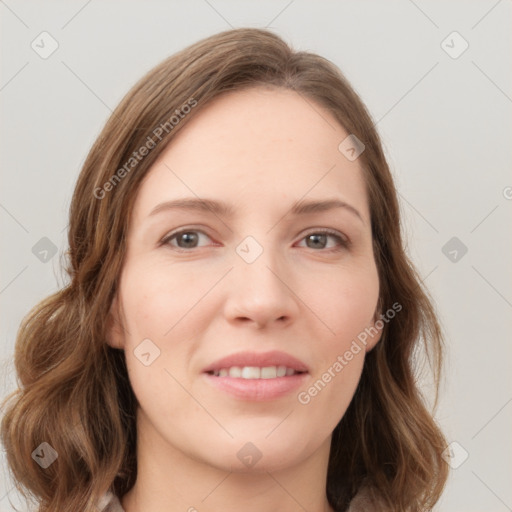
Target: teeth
(269,372)
(235,371)
(255,372)
(250,372)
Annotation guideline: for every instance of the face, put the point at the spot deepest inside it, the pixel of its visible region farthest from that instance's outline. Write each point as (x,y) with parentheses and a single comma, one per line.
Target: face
(240,319)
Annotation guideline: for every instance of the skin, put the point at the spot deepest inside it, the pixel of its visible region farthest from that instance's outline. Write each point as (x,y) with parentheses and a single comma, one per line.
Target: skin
(259,150)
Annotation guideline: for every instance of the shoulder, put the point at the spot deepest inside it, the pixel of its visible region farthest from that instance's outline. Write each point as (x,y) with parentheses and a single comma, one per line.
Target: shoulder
(109,503)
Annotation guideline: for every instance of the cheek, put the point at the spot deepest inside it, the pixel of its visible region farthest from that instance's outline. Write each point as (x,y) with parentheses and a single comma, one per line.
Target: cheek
(346,305)
(327,396)
(345,301)
(158,306)
(159,330)
(157,301)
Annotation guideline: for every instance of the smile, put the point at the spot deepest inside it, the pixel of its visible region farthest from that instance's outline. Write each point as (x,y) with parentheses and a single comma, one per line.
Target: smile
(255,372)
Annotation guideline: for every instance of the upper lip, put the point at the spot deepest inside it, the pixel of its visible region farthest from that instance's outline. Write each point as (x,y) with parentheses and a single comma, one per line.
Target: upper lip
(260,359)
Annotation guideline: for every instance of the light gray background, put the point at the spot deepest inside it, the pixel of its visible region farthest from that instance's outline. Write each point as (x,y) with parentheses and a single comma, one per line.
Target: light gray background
(445,123)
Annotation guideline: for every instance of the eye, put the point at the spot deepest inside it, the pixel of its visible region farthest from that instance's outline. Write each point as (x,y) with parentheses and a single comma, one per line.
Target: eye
(319,240)
(185,239)
(189,239)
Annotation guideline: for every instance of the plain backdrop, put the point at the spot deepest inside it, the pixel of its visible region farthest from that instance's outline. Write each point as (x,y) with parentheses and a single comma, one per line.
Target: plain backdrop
(442,104)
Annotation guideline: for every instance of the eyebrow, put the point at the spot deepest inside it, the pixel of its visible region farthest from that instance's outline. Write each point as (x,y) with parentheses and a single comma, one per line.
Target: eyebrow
(222,208)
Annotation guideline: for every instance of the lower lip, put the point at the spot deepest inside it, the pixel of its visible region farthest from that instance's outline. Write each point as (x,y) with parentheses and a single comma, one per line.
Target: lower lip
(258,390)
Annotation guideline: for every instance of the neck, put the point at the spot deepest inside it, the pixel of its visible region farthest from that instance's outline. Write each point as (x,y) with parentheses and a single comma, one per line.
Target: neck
(170,481)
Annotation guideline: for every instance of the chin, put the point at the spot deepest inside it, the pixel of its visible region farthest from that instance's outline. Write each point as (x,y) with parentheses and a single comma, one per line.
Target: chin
(260,454)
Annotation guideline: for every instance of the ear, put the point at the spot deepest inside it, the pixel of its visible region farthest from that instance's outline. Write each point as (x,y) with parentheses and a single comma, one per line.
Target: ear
(115,335)
(375,330)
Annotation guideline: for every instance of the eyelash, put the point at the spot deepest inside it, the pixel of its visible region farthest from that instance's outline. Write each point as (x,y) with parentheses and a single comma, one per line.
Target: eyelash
(343,242)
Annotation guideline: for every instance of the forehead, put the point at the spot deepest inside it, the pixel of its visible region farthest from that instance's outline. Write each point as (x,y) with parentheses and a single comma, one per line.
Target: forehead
(253,148)
(251,122)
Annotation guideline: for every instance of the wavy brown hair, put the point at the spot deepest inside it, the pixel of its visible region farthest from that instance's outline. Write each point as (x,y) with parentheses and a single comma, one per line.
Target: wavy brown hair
(73,388)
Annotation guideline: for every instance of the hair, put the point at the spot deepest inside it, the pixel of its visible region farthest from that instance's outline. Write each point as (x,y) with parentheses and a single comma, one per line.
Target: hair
(73,388)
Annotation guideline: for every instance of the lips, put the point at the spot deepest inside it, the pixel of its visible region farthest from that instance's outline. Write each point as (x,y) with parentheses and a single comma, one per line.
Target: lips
(259,360)
(253,376)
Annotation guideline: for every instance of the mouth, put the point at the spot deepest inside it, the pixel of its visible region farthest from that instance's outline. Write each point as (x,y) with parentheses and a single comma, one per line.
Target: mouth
(256,376)
(255,372)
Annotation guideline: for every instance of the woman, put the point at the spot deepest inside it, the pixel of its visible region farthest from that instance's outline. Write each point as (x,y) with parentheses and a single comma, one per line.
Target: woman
(239,328)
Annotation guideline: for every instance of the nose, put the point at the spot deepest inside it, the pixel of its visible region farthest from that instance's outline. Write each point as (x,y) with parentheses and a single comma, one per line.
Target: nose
(261,293)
